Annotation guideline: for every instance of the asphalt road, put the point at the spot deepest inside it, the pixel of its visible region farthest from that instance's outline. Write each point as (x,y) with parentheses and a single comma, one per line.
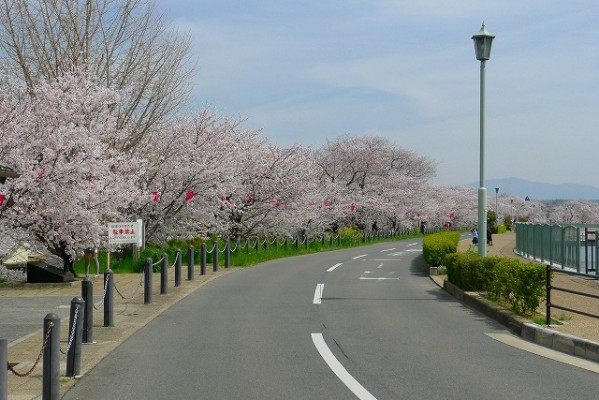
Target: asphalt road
(362,323)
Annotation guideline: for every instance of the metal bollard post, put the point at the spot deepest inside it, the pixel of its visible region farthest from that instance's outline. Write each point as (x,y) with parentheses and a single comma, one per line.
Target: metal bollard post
(51,362)
(227,253)
(109,298)
(548,295)
(3,369)
(203,259)
(215,257)
(190,263)
(75,337)
(87,293)
(178,268)
(164,274)
(148,281)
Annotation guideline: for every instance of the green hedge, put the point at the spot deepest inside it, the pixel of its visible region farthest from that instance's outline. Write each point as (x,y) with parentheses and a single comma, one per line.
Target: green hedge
(520,284)
(435,246)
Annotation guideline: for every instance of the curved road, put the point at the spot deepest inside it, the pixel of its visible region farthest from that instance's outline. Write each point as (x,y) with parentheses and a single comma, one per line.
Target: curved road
(361,323)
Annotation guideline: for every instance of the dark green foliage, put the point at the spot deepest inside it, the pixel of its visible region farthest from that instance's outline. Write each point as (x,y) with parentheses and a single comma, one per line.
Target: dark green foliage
(522,285)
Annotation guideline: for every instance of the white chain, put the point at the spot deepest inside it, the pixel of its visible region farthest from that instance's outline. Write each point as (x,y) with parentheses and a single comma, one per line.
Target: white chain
(75,317)
(104,295)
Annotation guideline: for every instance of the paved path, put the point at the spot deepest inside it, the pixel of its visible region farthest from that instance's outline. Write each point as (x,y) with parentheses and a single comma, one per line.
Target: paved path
(130,314)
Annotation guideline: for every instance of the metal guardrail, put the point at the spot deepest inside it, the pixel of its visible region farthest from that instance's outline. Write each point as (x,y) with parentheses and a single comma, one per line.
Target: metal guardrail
(550,287)
(573,247)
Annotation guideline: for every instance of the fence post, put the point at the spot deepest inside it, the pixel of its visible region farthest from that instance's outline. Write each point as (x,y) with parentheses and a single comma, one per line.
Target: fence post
(548,297)
(215,257)
(3,369)
(190,263)
(164,274)
(75,336)
(148,281)
(227,253)
(51,362)
(109,298)
(178,268)
(87,293)
(203,259)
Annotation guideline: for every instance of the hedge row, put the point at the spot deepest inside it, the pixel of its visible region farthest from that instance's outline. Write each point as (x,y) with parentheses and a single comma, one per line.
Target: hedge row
(520,284)
(437,245)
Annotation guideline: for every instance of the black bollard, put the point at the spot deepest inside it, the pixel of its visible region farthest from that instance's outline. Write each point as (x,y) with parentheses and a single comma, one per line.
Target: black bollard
(190,263)
(75,337)
(215,257)
(148,281)
(178,268)
(227,253)
(51,362)
(3,370)
(109,298)
(203,259)
(164,274)
(87,293)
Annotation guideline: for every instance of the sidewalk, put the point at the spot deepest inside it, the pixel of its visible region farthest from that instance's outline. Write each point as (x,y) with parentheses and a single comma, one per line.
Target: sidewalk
(130,314)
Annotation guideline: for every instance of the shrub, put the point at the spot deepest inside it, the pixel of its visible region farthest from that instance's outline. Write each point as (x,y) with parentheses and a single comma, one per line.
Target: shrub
(522,285)
(437,245)
(351,235)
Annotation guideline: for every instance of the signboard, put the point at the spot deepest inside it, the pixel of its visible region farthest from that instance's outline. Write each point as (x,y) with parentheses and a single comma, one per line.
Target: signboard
(125,232)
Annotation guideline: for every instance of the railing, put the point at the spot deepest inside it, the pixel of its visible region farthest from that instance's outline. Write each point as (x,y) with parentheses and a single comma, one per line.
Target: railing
(573,247)
(550,288)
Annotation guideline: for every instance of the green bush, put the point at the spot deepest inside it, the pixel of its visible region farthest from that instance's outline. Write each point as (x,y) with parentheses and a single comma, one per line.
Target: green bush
(437,245)
(351,235)
(522,285)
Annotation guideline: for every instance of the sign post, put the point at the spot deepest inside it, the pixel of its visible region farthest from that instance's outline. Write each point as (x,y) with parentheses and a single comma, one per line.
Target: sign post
(124,233)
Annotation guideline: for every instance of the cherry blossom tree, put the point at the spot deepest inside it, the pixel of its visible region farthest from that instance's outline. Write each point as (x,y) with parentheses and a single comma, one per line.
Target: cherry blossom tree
(61,137)
(124,43)
(372,173)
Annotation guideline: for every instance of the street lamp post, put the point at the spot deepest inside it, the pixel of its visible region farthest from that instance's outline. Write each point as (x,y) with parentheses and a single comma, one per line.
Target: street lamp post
(482,47)
(496,205)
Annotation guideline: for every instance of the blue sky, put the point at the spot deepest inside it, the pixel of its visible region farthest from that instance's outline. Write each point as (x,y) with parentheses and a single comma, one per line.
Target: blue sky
(308,71)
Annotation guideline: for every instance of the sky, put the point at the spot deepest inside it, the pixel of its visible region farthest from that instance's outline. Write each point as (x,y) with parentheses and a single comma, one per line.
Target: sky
(305,72)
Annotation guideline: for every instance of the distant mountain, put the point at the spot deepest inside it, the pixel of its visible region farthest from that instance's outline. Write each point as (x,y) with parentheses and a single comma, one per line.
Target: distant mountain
(538,190)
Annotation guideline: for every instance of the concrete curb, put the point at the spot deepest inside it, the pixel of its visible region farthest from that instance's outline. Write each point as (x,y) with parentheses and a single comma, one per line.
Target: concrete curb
(527,330)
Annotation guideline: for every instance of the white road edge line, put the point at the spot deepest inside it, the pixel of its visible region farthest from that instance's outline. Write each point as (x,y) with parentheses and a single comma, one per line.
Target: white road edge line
(339,370)
(318,293)
(356,257)
(377,279)
(333,267)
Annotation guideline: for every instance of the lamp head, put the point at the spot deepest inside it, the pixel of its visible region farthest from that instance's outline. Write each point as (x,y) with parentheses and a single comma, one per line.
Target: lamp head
(482,44)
